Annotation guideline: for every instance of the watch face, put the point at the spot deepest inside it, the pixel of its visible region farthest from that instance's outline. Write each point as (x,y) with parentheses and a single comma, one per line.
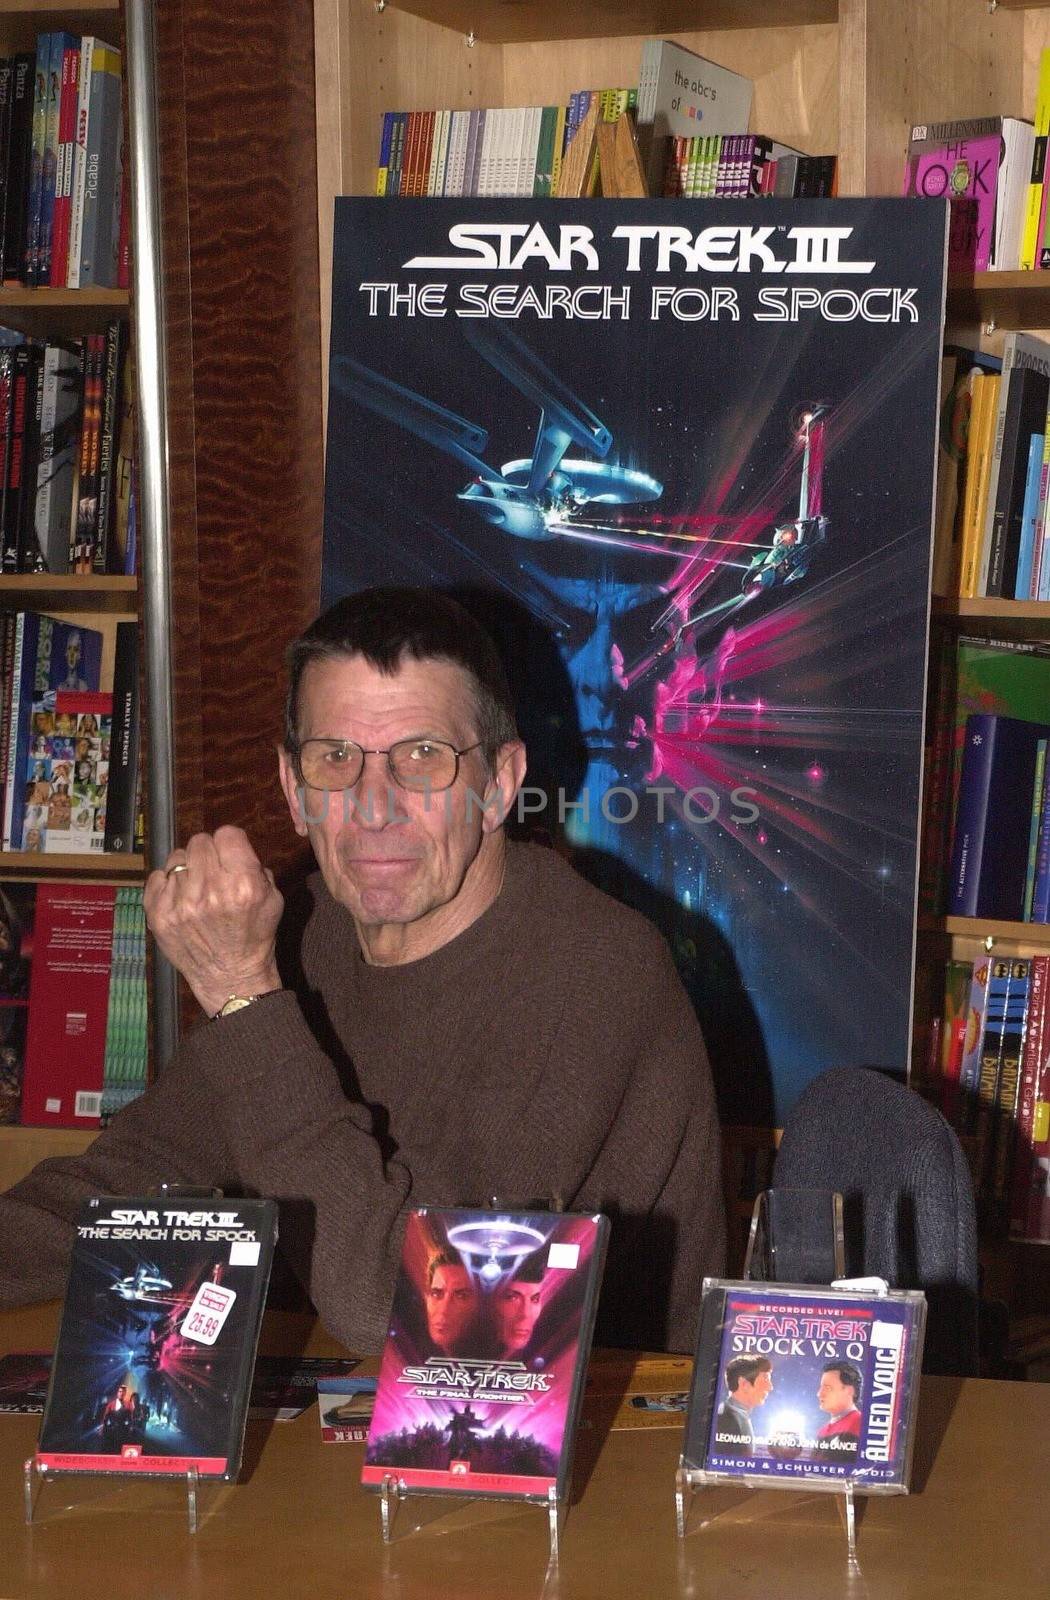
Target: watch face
(236,1002)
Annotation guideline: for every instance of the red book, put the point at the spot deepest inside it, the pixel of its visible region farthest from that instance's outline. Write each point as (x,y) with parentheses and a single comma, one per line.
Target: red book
(67,138)
(68,1005)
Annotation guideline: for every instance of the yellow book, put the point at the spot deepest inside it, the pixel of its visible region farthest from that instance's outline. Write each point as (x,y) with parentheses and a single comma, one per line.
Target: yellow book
(983,406)
(1030,238)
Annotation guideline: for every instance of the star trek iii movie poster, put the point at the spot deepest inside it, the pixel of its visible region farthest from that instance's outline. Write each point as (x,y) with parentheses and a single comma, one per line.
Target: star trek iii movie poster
(679,458)
(158,1336)
(483,1367)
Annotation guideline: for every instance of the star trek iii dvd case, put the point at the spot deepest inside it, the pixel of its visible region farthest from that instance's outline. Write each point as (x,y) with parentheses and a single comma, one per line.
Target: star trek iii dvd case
(805,1386)
(157,1342)
(483,1368)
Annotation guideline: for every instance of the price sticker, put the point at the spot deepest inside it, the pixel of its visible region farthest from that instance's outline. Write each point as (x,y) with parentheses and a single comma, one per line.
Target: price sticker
(204,1320)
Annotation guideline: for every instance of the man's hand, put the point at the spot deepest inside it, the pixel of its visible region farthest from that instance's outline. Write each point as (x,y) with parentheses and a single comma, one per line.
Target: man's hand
(215,918)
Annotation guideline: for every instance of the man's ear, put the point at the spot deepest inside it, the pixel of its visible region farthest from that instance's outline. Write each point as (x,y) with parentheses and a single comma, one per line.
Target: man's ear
(507,778)
(292,791)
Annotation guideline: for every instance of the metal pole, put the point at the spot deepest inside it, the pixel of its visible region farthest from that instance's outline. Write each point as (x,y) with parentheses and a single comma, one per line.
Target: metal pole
(152,484)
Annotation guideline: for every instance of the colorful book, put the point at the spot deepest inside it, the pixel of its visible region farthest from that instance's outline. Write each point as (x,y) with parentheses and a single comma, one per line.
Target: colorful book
(68,1005)
(48,655)
(959,160)
(483,1368)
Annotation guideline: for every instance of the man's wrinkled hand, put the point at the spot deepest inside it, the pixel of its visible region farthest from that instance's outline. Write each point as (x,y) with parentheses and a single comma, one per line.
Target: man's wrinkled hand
(214,911)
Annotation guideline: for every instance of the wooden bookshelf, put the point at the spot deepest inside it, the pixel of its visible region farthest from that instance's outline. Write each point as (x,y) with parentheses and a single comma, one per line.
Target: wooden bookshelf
(527,21)
(36,867)
(49,590)
(1032,935)
(994,618)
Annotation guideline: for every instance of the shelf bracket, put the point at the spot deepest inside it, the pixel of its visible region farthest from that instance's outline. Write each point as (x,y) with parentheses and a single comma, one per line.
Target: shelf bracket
(471,39)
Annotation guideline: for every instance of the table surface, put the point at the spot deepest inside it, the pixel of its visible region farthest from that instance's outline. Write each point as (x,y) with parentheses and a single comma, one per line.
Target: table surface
(298,1523)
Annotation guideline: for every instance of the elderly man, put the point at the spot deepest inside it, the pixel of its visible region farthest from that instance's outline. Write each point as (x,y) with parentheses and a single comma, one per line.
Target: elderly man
(446,1016)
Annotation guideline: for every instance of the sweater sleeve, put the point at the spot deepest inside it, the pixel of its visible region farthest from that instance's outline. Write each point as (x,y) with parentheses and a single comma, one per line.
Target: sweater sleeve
(658,1173)
(300,1140)
(169,1135)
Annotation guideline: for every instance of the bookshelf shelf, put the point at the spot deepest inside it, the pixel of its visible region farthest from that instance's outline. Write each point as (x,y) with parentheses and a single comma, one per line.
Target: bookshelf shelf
(69,593)
(35,867)
(1036,934)
(45,299)
(994,618)
(1004,300)
(528,21)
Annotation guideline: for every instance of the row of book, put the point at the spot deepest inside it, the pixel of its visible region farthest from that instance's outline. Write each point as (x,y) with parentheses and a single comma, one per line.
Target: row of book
(73,1023)
(988,1063)
(70,766)
(744,166)
(63,200)
(67,426)
(986,850)
(494,152)
(992,529)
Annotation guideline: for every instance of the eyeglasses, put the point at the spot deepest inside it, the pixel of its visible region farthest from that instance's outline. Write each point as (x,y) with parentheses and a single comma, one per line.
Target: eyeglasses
(422,766)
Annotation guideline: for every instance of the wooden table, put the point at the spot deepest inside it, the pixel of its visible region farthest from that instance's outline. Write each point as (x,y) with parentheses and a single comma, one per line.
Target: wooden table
(298,1524)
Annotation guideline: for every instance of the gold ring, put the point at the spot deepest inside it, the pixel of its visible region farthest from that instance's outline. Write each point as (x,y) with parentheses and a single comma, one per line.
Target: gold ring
(180,866)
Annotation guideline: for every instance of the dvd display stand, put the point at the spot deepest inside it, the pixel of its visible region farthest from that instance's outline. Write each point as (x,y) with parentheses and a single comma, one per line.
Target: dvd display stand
(35,1478)
(796,1236)
(797,1384)
(393,1492)
(481,1379)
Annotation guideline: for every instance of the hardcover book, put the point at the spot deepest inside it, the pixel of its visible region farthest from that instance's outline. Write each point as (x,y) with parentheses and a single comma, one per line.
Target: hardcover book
(805,1385)
(68,1004)
(483,1368)
(680,93)
(993,820)
(959,161)
(157,1342)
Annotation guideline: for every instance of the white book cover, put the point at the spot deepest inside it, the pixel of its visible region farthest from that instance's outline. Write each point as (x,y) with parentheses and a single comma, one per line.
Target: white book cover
(1011,195)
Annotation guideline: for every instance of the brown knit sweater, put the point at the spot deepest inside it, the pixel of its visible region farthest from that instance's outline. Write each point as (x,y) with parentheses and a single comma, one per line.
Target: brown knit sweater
(548,1051)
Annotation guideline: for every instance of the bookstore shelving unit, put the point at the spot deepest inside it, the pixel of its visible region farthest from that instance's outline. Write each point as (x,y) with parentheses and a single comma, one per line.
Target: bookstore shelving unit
(843,75)
(98,602)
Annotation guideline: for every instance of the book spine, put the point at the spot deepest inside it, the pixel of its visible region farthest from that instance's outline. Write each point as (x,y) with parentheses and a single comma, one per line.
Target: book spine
(113,358)
(18,167)
(49,169)
(30,556)
(98,243)
(124,742)
(978,464)
(383,167)
(36,159)
(80,136)
(972,814)
(1034,198)
(81,518)
(1033,830)
(67,130)
(982,1110)
(13,702)
(1023,1161)
(1041,887)
(16,463)
(976,1016)
(1008,1089)
(7,95)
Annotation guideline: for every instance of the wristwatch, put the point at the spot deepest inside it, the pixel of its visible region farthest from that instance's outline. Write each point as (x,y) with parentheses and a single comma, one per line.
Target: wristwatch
(236,1002)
